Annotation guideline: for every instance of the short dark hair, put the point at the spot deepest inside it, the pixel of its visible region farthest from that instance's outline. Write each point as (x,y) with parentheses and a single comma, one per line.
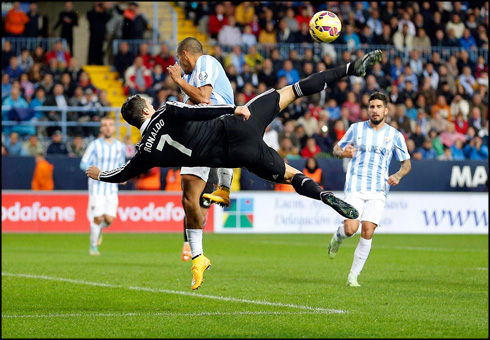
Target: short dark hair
(132,109)
(381,96)
(191,45)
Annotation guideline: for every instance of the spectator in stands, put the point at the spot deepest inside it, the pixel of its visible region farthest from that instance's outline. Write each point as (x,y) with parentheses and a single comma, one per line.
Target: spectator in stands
(144,52)
(218,54)
(102,98)
(467,41)
(451,40)
(476,150)
(85,83)
(249,77)
(7,53)
(77,147)
(43,174)
(309,123)
(311,149)
(446,155)
(74,70)
(284,33)
(68,84)
(267,36)
(68,19)
(27,87)
(76,98)
(13,146)
(477,101)
(287,149)
(456,25)
(59,54)
(461,123)
(173,180)
(248,38)
(437,144)
(254,59)
(353,106)
(403,38)
(426,149)
(482,38)
(38,100)
(459,105)
(164,58)
(54,70)
(137,78)
(457,152)
(386,36)
(481,67)
(97,18)
(410,110)
(129,148)
(416,63)
(24,60)
(6,85)
(230,34)
(351,38)
(450,135)
(235,58)
(58,98)
(271,137)
(267,75)
(57,146)
(15,21)
(217,21)
(123,59)
(475,120)
(418,136)
(402,119)
(14,70)
(467,80)
(244,13)
(134,23)
(292,76)
(421,40)
(33,146)
(149,180)
(39,55)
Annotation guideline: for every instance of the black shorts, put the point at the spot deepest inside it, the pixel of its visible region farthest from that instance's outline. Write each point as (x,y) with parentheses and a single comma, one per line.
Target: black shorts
(246,143)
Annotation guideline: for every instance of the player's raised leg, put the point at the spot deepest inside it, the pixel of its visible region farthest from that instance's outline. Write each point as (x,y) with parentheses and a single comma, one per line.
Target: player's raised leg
(317,82)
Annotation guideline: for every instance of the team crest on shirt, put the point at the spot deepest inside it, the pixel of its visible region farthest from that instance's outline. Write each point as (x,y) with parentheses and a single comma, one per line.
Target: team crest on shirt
(203,76)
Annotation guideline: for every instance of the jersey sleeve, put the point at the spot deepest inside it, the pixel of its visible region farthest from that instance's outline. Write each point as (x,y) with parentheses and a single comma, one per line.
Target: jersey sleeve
(183,112)
(132,168)
(401,150)
(347,139)
(88,156)
(207,71)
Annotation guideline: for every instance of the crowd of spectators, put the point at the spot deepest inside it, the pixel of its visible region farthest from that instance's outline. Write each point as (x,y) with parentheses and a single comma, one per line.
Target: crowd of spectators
(441,106)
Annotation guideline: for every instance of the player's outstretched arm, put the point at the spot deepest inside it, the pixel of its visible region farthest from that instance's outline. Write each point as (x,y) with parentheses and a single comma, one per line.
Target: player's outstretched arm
(131,169)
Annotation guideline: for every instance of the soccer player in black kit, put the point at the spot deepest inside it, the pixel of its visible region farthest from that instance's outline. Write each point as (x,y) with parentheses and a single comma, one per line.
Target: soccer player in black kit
(225,136)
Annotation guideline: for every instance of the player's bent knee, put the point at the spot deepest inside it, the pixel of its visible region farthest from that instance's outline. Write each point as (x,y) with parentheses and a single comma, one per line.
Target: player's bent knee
(98,219)
(108,219)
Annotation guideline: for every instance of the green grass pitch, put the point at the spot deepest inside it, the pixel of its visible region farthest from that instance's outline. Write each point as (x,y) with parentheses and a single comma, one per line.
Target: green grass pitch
(259,286)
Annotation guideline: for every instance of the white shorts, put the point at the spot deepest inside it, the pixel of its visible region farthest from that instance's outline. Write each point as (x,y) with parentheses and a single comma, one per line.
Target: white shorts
(370,205)
(201,172)
(102,205)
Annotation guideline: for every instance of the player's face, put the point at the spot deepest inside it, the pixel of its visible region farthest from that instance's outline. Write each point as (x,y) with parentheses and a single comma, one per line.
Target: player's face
(184,62)
(377,111)
(107,128)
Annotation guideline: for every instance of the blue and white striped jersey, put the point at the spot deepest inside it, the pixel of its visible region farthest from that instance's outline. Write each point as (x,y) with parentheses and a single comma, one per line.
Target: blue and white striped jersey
(106,157)
(368,170)
(208,70)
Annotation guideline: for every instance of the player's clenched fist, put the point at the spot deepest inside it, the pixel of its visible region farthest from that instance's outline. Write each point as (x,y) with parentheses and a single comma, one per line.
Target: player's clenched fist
(93,172)
(242,111)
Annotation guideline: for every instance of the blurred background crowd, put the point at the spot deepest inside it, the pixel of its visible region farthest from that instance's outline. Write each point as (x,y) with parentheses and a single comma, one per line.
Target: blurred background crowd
(439,102)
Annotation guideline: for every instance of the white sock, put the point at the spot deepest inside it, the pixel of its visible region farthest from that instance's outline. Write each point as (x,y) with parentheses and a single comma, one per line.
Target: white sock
(225,176)
(360,256)
(95,230)
(194,236)
(340,235)
(103,224)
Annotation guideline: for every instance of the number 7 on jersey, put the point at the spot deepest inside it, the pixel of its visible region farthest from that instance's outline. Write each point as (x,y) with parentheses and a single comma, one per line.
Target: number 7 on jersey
(175,144)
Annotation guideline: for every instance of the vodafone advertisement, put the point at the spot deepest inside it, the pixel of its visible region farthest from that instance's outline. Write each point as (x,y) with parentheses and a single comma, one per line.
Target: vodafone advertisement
(58,211)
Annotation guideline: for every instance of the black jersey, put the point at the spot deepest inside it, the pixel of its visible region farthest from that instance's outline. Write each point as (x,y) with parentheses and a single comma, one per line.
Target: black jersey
(177,134)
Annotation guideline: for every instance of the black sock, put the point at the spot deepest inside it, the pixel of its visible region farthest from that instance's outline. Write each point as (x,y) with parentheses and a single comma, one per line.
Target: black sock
(317,82)
(305,186)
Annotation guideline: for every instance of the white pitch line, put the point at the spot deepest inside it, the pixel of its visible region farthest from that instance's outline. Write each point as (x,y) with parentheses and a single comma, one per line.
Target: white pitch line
(305,244)
(166,291)
(158,314)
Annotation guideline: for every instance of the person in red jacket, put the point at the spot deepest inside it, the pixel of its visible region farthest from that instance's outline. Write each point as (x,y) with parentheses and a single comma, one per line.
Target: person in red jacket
(310,149)
(164,58)
(59,53)
(217,20)
(15,21)
(138,78)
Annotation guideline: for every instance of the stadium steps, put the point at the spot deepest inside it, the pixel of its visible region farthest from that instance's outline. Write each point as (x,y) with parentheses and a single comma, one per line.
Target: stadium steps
(186,28)
(103,78)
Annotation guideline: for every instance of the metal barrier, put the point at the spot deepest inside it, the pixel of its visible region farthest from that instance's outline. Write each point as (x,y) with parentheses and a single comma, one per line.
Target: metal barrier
(320,50)
(64,123)
(30,43)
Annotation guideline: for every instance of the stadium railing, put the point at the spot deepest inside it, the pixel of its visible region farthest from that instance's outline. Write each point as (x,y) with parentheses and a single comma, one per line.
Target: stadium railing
(30,43)
(335,50)
(64,123)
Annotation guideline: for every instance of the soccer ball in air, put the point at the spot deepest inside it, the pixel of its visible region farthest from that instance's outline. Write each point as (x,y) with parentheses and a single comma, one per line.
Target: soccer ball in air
(325,26)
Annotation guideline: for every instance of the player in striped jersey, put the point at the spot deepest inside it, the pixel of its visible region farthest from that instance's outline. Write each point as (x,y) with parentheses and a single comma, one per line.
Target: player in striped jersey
(370,145)
(204,80)
(106,153)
